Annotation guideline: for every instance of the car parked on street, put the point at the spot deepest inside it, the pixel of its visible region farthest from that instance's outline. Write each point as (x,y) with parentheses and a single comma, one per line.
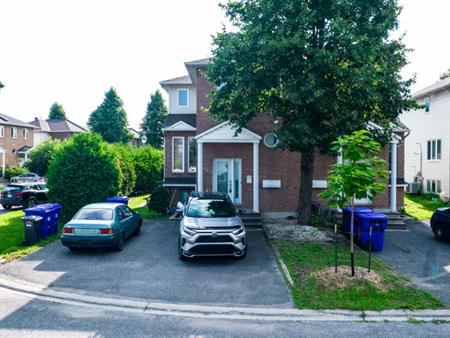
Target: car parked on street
(28,177)
(101,225)
(210,226)
(440,224)
(26,195)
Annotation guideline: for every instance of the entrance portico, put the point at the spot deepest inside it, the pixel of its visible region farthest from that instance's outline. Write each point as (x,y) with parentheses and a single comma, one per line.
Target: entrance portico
(227,170)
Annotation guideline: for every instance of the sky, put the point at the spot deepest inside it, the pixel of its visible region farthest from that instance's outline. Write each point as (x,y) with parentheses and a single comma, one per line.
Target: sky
(73,51)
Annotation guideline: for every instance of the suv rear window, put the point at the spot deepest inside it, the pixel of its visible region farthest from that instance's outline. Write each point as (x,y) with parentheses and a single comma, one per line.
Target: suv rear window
(13,188)
(210,208)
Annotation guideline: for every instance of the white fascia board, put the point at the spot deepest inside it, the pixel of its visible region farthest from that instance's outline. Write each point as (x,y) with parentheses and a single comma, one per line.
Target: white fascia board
(180,126)
(208,135)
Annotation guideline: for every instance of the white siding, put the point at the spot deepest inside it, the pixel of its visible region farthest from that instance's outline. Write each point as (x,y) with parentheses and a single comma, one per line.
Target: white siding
(40,137)
(425,126)
(173,100)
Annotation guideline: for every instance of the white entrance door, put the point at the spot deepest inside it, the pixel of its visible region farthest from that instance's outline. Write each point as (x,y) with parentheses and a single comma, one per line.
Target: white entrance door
(227,178)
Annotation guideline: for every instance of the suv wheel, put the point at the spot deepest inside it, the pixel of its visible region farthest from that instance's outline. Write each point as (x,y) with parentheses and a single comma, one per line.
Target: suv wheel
(6,206)
(180,254)
(31,202)
(439,232)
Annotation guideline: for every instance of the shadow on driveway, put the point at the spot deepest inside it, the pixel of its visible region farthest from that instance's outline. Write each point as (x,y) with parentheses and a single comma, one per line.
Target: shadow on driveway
(149,268)
(418,255)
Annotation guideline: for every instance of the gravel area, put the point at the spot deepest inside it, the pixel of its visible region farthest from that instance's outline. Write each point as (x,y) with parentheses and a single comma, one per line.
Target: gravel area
(295,232)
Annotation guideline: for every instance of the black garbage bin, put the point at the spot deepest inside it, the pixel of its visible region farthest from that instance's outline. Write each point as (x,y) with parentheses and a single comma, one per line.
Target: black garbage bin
(31,228)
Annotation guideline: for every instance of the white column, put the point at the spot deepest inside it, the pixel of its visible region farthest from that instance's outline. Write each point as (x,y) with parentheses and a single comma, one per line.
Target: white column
(256,177)
(199,166)
(393,192)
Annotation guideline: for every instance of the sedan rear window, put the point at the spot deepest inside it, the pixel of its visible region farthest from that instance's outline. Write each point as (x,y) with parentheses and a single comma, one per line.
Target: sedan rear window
(210,208)
(91,214)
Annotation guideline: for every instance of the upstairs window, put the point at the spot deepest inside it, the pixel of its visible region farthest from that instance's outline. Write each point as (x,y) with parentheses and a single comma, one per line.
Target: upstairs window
(13,132)
(434,150)
(183,97)
(192,159)
(2,131)
(25,133)
(177,154)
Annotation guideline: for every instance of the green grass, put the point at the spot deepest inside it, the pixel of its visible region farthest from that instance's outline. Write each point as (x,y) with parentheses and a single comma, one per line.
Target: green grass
(12,236)
(303,258)
(420,207)
(136,203)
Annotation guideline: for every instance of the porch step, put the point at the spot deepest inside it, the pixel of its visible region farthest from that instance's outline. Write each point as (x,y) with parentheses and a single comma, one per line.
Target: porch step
(395,222)
(252,219)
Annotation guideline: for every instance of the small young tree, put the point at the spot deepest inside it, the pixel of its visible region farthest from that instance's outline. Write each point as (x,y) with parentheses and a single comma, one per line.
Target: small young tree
(360,175)
(40,157)
(110,119)
(153,121)
(56,112)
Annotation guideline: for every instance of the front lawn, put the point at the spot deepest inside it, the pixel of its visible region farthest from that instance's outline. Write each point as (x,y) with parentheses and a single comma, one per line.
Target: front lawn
(303,259)
(139,204)
(421,207)
(12,235)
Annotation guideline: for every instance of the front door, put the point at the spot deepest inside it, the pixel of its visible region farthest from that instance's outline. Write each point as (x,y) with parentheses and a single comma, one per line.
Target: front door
(227,178)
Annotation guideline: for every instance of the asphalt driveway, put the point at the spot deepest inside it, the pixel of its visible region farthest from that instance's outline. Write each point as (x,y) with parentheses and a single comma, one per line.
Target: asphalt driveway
(149,268)
(417,254)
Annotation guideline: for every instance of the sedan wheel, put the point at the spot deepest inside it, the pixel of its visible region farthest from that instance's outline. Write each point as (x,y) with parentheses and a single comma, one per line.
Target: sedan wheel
(120,243)
(439,232)
(138,230)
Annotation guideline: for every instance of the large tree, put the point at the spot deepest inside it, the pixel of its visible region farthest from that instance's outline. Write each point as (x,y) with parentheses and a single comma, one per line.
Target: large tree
(110,119)
(321,69)
(57,112)
(153,120)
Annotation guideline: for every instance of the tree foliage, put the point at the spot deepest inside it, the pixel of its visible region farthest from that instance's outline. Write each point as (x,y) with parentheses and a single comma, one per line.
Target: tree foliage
(40,157)
(148,164)
(83,171)
(445,75)
(57,112)
(14,171)
(153,121)
(321,69)
(159,200)
(110,119)
(127,174)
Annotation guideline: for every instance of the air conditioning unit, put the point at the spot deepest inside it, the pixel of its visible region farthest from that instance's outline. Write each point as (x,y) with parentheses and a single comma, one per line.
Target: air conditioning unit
(414,187)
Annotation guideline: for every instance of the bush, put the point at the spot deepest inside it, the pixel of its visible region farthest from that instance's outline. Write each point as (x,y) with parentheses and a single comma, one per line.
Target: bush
(124,162)
(40,157)
(14,171)
(148,164)
(159,200)
(83,171)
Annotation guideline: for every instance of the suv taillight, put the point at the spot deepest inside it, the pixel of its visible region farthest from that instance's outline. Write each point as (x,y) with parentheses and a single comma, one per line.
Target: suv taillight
(19,194)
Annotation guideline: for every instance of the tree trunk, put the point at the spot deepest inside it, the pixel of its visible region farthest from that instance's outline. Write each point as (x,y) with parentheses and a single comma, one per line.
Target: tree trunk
(305,190)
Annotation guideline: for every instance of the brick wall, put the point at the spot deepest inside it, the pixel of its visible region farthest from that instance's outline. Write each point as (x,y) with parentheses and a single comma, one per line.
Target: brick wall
(168,153)
(12,145)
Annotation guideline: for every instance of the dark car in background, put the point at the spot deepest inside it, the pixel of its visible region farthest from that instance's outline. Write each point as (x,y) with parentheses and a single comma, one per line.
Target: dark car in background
(440,224)
(26,195)
(28,177)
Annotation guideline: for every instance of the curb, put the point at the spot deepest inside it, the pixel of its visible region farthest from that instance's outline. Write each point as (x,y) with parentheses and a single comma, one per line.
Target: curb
(142,306)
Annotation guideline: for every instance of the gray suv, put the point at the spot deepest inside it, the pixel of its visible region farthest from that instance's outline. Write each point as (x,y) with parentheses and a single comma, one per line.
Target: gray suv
(210,226)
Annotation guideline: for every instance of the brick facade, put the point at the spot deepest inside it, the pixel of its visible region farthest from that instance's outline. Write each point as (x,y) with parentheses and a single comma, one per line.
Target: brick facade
(11,145)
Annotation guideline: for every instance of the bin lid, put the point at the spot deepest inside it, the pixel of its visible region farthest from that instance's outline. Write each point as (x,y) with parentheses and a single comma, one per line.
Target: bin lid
(373,216)
(45,208)
(358,210)
(117,198)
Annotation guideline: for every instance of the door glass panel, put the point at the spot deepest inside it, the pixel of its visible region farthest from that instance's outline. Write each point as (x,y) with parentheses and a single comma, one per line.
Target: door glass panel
(237,181)
(222,176)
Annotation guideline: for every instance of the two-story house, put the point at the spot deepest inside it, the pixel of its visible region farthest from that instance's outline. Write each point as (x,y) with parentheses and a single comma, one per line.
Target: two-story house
(206,155)
(57,129)
(16,139)
(427,155)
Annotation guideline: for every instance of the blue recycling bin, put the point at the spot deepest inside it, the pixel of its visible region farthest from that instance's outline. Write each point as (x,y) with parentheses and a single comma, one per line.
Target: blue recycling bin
(378,222)
(50,214)
(118,199)
(347,217)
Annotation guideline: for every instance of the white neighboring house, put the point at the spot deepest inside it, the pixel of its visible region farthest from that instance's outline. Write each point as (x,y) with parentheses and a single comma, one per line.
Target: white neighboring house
(427,148)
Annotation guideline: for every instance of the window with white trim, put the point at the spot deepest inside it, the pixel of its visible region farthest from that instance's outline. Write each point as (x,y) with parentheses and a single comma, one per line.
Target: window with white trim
(192,154)
(13,132)
(434,150)
(177,154)
(2,131)
(434,186)
(26,133)
(183,97)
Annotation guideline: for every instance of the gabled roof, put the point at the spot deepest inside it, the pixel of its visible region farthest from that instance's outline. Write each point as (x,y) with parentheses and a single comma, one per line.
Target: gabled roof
(8,120)
(225,133)
(24,149)
(57,126)
(182,80)
(134,132)
(434,88)
(200,62)
(172,119)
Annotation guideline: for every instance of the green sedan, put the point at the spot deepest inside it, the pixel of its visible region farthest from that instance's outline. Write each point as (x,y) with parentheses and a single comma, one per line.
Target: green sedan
(101,225)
